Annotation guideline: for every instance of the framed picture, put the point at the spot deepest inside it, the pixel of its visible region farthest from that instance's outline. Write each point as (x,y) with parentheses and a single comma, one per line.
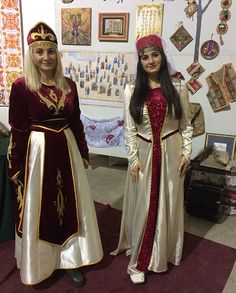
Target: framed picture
(113,27)
(76,26)
(223,141)
(149,19)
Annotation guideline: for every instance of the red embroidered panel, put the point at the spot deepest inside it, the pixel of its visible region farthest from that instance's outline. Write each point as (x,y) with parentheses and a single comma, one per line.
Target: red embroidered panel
(11,55)
(157,106)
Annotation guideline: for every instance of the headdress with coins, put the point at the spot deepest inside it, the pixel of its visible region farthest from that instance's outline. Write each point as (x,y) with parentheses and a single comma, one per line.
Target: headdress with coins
(154,42)
(41,33)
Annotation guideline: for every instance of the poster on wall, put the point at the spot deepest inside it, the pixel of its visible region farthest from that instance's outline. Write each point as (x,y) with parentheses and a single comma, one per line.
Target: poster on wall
(11,56)
(76,26)
(100,77)
(149,19)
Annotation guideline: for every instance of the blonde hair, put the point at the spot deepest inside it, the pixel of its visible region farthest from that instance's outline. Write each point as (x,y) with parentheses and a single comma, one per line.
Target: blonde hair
(33,77)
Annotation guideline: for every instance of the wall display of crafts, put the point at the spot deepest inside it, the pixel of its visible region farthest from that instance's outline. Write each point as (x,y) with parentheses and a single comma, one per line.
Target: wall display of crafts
(100,77)
(11,55)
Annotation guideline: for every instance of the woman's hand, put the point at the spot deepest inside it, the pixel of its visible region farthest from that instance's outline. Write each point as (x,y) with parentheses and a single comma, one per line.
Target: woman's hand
(183,166)
(135,171)
(86,163)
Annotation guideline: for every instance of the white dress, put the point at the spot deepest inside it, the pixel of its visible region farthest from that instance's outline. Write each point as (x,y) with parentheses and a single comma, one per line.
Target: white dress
(176,135)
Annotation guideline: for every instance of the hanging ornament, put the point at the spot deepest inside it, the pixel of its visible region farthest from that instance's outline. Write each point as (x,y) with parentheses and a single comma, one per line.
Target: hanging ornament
(181,38)
(191,8)
(193,85)
(224,16)
(195,69)
(210,49)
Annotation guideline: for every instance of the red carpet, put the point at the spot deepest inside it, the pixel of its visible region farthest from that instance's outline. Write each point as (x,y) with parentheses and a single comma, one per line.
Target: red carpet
(206,267)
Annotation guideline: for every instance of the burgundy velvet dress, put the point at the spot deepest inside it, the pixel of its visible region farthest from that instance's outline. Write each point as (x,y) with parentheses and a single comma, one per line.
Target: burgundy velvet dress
(56,222)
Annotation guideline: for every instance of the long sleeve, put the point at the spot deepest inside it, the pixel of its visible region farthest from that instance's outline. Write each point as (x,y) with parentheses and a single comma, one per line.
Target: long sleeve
(18,119)
(186,129)
(130,129)
(77,127)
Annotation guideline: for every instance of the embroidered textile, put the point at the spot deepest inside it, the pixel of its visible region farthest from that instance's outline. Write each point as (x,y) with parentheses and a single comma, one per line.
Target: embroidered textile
(157,106)
(104,132)
(222,87)
(11,63)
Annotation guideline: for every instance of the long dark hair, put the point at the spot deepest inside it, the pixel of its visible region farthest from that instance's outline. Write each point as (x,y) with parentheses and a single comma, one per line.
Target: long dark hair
(140,93)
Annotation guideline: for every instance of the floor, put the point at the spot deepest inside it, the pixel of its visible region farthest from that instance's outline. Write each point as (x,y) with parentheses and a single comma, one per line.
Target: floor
(107,179)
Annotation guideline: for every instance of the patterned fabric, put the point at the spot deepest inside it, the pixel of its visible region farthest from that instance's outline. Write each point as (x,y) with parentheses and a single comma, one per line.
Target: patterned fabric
(47,113)
(222,87)
(38,108)
(11,63)
(103,133)
(157,106)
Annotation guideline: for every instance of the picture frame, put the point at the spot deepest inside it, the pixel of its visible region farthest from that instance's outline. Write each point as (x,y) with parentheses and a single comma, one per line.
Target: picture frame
(227,139)
(76,26)
(113,27)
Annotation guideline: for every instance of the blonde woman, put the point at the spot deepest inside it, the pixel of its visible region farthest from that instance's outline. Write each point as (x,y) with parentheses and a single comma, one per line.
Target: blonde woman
(56,225)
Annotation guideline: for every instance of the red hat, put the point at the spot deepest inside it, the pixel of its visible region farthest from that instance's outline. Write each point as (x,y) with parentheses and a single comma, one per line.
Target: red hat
(151,41)
(41,33)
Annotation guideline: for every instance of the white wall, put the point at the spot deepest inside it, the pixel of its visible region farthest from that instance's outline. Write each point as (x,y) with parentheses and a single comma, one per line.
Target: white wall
(221,122)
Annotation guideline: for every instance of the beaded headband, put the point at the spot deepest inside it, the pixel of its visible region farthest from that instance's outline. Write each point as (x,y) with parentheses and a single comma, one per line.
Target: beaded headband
(148,43)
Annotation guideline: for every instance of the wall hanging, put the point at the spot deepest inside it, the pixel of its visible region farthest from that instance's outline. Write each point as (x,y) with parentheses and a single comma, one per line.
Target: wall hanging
(181,38)
(100,77)
(197,119)
(149,18)
(222,87)
(76,26)
(11,54)
(224,16)
(210,49)
(191,8)
(113,27)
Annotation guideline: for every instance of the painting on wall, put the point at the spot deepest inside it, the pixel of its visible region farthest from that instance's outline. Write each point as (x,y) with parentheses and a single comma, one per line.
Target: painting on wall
(11,55)
(113,27)
(76,26)
(100,77)
(149,19)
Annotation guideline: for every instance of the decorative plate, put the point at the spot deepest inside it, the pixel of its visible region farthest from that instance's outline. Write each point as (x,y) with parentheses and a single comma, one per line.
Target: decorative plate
(210,49)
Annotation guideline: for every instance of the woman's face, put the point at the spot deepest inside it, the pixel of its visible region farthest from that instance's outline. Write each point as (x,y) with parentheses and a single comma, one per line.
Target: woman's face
(151,62)
(44,57)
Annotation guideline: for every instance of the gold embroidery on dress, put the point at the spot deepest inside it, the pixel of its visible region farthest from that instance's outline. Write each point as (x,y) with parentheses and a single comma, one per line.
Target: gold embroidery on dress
(60,202)
(43,35)
(20,200)
(9,151)
(57,106)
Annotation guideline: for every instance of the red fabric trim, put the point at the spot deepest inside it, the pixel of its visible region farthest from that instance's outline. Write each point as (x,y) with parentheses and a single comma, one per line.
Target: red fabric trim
(157,107)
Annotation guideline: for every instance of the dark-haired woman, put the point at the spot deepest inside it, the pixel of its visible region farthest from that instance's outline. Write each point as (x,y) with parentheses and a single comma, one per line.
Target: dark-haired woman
(159,138)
